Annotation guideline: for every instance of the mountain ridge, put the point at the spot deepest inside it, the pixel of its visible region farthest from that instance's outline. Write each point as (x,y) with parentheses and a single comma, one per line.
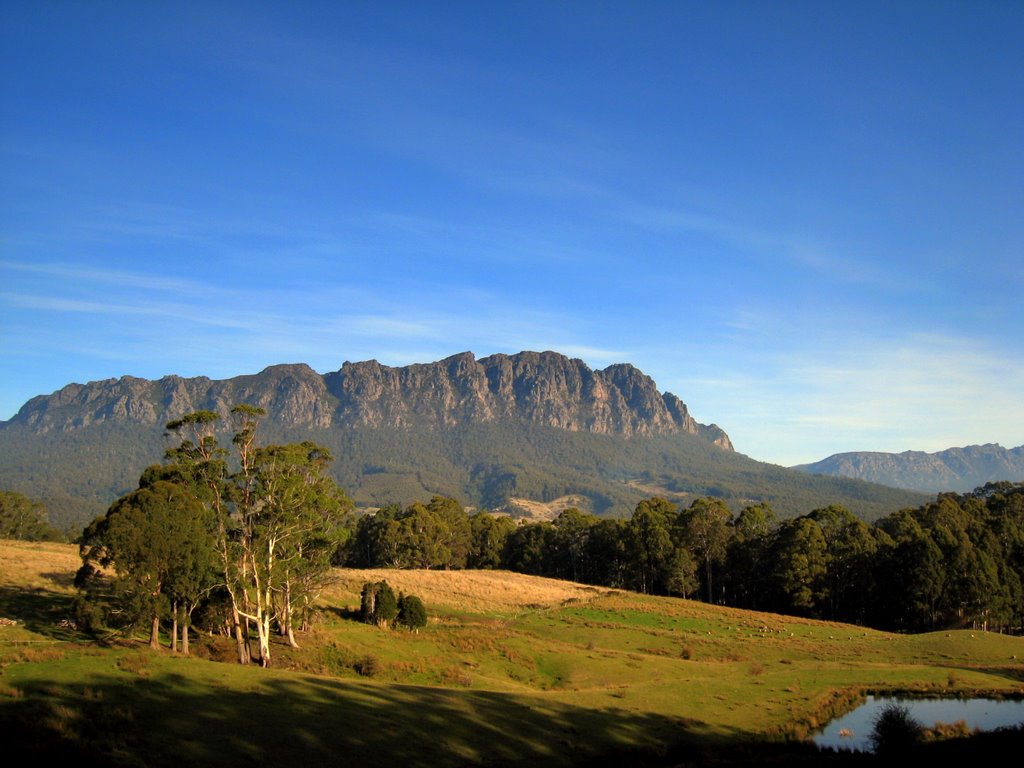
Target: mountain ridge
(957,469)
(546,388)
(535,425)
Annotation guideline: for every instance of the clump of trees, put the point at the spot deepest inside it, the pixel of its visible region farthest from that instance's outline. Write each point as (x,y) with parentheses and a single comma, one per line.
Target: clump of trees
(25,519)
(378,605)
(434,535)
(254,529)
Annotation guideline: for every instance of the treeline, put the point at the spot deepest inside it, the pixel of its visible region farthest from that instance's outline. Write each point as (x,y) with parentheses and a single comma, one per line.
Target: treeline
(955,562)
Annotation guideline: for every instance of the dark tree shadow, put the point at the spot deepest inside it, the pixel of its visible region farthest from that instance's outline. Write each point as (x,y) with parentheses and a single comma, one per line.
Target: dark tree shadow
(348,614)
(1014,672)
(64,579)
(42,611)
(167,719)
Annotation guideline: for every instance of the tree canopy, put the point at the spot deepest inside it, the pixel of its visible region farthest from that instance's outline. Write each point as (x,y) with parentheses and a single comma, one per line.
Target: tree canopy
(264,535)
(23,518)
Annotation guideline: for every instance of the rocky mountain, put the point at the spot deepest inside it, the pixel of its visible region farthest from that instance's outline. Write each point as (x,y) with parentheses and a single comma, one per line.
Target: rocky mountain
(955,469)
(533,426)
(544,388)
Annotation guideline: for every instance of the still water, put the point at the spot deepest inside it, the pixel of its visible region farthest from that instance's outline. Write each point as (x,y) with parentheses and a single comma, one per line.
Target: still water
(982,714)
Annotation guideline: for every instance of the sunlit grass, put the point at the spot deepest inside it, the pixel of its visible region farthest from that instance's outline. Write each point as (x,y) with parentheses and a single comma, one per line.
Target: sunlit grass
(510,668)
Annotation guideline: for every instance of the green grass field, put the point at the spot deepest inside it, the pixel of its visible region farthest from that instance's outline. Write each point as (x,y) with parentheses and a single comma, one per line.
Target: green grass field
(510,669)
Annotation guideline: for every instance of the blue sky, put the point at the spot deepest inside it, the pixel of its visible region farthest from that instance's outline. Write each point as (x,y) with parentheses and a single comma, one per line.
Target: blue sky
(805,219)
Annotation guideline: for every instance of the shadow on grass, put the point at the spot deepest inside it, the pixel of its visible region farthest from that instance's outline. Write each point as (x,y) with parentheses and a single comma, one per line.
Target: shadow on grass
(1013,672)
(39,610)
(348,614)
(169,719)
(64,579)
(154,718)
(209,716)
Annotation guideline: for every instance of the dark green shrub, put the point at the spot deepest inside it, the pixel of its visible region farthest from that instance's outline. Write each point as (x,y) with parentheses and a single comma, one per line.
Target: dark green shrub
(378,604)
(412,613)
(387,604)
(895,731)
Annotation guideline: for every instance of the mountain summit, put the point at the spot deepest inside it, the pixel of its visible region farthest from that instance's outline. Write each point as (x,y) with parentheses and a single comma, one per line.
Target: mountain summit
(542,388)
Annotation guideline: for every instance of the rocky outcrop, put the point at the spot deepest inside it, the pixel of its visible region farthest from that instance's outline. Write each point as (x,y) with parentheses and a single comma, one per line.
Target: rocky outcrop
(537,387)
(295,395)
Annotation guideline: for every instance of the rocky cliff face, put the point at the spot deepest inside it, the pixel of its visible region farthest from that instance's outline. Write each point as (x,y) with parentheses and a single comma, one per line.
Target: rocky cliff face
(295,395)
(542,388)
(955,469)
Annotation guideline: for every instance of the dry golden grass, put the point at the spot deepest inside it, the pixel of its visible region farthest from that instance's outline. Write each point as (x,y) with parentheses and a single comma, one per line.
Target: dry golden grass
(474,591)
(536,511)
(38,565)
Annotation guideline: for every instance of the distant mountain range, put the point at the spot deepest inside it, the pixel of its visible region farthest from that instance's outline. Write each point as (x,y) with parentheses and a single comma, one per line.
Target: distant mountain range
(955,469)
(492,432)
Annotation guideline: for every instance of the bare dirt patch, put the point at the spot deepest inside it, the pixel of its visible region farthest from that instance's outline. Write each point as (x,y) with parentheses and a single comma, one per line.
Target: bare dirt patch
(536,511)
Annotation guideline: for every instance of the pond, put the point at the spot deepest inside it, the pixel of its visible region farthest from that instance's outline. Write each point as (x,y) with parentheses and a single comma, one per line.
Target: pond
(980,714)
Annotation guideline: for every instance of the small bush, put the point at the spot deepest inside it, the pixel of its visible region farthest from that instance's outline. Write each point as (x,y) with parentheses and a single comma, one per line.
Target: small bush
(895,731)
(957,730)
(456,676)
(368,666)
(87,615)
(134,663)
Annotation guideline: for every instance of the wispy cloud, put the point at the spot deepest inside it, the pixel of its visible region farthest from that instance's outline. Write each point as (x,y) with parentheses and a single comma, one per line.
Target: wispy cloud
(384,327)
(918,391)
(149,282)
(808,250)
(144,308)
